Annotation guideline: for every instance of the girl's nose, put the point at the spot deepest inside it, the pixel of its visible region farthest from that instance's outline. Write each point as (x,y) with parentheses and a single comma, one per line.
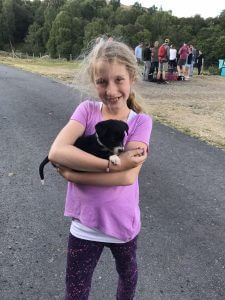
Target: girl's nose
(111,89)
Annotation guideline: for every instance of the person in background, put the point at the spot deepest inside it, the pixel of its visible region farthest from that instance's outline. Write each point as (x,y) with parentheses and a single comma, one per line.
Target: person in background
(138,53)
(147,61)
(154,59)
(163,54)
(173,59)
(200,60)
(188,64)
(194,58)
(183,53)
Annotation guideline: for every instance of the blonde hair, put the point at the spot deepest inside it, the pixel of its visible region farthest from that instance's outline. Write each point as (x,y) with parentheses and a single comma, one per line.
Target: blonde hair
(111,51)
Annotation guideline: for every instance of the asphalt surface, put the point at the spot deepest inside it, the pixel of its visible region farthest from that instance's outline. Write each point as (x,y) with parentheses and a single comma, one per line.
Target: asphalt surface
(182,241)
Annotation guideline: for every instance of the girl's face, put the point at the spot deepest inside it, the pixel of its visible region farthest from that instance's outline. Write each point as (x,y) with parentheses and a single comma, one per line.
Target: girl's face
(113,84)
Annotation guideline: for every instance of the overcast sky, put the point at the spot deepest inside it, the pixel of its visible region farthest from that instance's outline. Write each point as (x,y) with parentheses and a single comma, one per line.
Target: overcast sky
(185,8)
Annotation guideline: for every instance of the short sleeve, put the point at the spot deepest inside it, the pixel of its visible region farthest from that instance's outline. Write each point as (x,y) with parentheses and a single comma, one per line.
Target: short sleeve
(81,113)
(142,129)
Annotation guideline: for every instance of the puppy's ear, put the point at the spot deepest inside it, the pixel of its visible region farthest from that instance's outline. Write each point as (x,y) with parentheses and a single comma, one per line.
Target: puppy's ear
(100,129)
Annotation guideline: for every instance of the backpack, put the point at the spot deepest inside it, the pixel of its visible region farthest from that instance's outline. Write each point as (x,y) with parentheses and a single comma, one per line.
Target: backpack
(162,53)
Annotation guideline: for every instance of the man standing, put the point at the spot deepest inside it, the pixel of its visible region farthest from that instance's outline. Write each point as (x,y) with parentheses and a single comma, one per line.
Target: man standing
(147,61)
(173,59)
(138,53)
(183,52)
(194,57)
(163,54)
(155,59)
(200,60)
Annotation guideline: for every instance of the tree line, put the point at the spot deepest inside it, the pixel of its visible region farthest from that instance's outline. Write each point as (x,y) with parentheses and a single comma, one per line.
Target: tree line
(65,27)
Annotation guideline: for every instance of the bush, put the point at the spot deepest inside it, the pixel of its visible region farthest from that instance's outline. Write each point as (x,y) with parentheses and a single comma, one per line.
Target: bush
(214,70)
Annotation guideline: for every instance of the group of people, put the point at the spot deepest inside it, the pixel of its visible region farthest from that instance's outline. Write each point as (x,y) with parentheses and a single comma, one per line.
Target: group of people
(164,61)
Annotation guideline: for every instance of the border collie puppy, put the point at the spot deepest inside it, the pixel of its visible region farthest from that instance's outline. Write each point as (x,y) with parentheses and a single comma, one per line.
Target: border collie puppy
(106,142)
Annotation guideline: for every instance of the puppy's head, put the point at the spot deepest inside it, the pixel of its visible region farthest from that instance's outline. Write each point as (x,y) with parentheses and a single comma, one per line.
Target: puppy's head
(111,134)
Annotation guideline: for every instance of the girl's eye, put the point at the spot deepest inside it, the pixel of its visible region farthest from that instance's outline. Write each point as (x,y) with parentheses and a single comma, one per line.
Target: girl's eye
(100,81)
(119,79)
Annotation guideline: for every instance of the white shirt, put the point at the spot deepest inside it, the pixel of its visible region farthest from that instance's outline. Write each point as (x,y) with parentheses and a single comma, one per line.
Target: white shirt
(173,54)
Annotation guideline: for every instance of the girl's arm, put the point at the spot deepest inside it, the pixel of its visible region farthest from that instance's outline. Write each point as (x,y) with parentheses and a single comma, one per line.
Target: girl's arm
(63,153)
(100,179)
(126,177)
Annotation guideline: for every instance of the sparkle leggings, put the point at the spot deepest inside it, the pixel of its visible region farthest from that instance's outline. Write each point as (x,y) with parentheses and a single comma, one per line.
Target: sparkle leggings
(82,258)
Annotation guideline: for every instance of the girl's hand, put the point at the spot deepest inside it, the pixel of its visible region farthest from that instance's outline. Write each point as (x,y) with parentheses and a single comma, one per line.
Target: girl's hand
(64,172)
(131,159)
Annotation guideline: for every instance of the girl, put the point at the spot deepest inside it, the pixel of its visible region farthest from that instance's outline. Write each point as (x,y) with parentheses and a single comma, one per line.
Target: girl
(103,200)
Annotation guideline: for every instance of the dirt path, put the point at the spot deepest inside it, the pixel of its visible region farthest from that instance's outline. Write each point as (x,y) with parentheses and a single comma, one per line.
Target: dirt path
(196,107)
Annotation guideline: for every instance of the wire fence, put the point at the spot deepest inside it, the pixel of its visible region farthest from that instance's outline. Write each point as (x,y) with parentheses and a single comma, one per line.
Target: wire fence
(21,55)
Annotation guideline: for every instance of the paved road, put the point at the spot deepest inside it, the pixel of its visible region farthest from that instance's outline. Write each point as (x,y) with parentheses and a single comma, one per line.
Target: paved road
(182,242)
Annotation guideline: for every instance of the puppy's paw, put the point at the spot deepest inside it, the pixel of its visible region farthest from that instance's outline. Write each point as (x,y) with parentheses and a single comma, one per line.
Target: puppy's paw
(114,159)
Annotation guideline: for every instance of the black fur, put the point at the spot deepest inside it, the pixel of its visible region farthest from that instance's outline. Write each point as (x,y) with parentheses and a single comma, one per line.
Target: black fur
(111,134)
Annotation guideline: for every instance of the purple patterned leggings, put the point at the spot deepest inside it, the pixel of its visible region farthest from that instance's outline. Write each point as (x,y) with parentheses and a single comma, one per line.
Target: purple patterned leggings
(82,258)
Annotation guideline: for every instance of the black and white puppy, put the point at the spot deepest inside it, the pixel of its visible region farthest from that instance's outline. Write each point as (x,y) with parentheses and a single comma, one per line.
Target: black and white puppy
(106,142)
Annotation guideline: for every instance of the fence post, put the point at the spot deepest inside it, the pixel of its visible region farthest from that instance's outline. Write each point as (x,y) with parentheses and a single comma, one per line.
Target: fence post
(70,57)
(33,55)
(40,55)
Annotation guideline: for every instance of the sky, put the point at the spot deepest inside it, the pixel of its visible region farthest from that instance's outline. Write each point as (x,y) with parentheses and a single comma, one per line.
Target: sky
(184,8)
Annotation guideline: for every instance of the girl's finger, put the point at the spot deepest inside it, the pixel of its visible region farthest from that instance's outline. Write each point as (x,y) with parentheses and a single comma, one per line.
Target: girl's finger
(138,151)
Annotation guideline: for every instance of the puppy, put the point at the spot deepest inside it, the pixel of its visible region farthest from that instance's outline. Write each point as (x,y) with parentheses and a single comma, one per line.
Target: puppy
(106,142)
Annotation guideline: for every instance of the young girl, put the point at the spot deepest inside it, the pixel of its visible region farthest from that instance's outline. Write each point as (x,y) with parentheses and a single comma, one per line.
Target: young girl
(103,200)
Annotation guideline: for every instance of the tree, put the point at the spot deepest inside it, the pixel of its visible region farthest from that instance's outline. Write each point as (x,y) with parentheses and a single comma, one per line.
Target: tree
(133,34)
(115,4)
(23,19)
(122,16)
(221,19)
(152,9)
(118,31)
(50,13)
(107,13)
(94,29)
(34,40)
(66,26)
(8,22)
(210,41)
(78,25)
(60,40)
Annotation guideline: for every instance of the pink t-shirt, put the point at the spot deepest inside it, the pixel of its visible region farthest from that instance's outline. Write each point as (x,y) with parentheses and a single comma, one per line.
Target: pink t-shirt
(114,210)
(183,52)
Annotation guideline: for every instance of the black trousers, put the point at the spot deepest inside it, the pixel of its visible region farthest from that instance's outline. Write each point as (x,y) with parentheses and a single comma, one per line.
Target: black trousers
(199,69)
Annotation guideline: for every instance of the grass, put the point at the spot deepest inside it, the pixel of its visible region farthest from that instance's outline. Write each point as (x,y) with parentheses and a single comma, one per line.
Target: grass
(53,68)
